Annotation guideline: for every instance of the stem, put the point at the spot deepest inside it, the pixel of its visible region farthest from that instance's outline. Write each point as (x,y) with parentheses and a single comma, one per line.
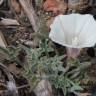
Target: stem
(73,52)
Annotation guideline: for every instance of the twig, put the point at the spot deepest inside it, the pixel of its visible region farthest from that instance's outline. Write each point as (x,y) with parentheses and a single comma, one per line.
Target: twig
(23,86)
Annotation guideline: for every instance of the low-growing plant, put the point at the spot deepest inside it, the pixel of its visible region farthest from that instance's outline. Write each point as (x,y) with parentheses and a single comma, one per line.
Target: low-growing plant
(40,65)
(10,54)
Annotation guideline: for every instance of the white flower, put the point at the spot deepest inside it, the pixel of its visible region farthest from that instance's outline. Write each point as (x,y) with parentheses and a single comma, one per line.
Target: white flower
(74,30)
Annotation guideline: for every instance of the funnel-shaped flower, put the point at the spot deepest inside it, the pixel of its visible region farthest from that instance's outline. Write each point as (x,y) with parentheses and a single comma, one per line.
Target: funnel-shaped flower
(74,30)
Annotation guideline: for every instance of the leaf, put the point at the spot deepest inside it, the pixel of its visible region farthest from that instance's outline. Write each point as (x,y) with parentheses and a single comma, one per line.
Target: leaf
(76,88)
(15,5)
(55,6)
(85,94)
(8,22)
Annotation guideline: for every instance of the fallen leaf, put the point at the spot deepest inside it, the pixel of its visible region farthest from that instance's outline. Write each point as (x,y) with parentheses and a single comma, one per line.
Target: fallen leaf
(77,4)
(12,68)
(3,42)
(8,21)
(85,94)
(56,6)
(43,88)
(16,6)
